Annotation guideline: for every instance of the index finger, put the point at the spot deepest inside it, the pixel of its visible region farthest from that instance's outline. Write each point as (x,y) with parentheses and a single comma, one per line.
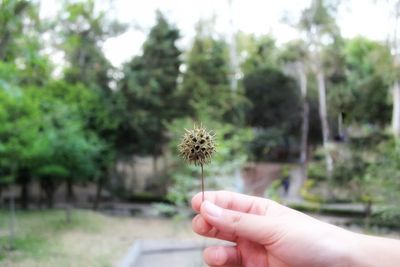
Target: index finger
(233,201)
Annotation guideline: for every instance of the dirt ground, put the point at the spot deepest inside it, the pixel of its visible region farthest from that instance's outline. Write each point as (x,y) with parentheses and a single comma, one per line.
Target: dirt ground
(106,242)
(108,246)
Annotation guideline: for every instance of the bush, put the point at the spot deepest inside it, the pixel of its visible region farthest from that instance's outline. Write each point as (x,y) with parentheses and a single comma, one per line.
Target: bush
(365,171)
(269,145)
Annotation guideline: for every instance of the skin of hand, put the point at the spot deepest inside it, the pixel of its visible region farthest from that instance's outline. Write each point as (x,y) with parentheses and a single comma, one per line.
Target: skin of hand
(266,233)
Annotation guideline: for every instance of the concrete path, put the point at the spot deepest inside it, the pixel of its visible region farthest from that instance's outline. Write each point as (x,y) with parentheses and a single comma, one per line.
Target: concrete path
(166,252)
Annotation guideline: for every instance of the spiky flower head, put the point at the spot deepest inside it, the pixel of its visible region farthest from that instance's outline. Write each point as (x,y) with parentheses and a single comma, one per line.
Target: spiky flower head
(197,145)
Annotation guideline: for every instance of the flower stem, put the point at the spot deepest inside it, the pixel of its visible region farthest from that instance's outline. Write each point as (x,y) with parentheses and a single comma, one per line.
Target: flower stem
(202,183)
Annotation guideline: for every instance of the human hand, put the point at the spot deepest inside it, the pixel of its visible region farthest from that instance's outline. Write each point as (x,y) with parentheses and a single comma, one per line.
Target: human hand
(267,233)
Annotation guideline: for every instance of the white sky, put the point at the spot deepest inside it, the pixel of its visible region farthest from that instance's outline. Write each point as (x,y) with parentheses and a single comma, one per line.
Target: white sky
(356,17)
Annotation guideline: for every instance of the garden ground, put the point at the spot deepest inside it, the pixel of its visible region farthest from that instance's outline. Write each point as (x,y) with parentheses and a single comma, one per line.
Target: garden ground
(43,238)
(91,239)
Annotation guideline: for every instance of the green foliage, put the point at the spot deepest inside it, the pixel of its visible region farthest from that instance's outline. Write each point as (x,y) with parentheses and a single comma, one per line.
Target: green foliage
(82,30)
(20,42)
(365,171)
(363,95)
(260,52)
(147,93)
(294,51)
(387,217)
(274,190)
(275,112)
(306,190)
(205,92)
(269,145)
(19,126)
(319,18)
(316,168)
(382,176)
(275,99)
(97,114)
(15,18)
(44,136)
(64,150)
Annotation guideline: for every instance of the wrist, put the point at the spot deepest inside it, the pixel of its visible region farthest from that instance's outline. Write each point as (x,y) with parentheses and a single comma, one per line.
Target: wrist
(372,251)
(353,254)
(346,244)
(338,248)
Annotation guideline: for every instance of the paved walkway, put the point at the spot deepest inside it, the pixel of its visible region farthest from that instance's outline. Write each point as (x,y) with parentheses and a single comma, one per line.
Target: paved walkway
(157,253)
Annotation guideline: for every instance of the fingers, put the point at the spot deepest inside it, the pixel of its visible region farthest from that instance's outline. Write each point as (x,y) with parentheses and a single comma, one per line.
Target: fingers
(233,201)
(222,256)
(256,228)
(201,227)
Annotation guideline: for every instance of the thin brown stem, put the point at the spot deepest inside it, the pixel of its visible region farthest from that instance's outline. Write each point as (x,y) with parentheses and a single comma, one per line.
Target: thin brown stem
(202,183)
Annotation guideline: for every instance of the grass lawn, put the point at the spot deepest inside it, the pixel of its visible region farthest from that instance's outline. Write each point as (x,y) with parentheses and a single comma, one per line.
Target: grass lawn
(43,238)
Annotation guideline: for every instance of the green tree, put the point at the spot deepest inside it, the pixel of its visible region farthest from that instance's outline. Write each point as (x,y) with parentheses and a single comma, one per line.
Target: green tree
(275,106)
(63,152)
(318,23)
(12,14)
(21,63)
(147,93)
(42,137)
(258,52)
(21,43)
(78,99)
(363,95)
(367,172)
(205,87)
(295,60)
(20,126)
(81,30)
(392,70)
(17,114)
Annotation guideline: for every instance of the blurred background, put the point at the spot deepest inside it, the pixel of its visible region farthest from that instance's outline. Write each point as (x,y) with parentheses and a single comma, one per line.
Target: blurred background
(303,95)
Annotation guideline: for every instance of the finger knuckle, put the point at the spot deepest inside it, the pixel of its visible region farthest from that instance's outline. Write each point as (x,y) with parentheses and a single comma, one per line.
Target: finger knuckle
(235,222)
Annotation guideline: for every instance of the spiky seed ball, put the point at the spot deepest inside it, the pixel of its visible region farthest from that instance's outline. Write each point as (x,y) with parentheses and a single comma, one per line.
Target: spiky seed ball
(197,145)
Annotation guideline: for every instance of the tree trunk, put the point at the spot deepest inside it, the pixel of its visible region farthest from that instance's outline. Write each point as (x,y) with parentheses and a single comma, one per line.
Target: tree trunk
(50,199)
(368,213)
(233,58)
(70,195)
(155,159)
(48,188)
(304,134)
(304,143)
(24,195)
(396,109)
(299,175)
(68,212)
(324,121)
(41,198)
(12,223)
(98,192)
(305,122)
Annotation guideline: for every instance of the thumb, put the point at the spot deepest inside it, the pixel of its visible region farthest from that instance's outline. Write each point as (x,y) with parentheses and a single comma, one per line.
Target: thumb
(256,228)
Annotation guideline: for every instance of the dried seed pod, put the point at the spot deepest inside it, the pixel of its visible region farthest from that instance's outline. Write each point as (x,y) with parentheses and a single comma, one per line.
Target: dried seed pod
(197,146)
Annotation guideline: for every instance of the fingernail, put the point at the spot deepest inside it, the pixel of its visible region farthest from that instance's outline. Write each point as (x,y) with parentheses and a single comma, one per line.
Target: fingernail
(212,209)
